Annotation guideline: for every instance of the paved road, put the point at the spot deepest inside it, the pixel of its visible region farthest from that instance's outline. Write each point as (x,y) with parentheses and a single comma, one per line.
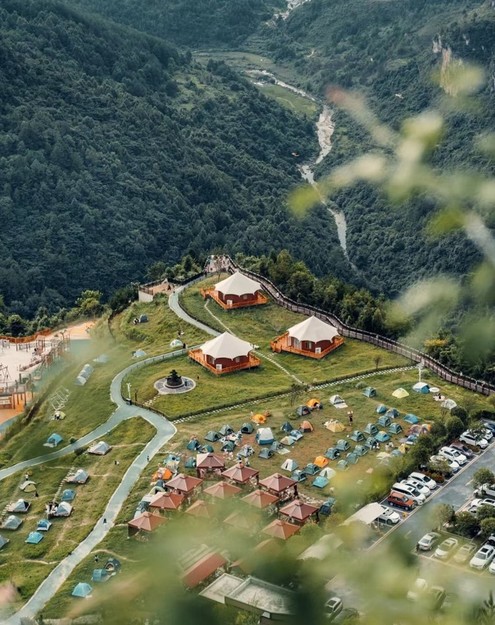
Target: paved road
(173,302)
(164,431)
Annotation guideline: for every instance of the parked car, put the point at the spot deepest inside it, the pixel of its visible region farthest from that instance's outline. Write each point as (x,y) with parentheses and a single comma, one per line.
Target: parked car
(453,454)
(419,589)
(487,433)
(410,491)
(452,464)
(485,490)
(476,504)
(489,425)
(470,438)
(333,607)
(428,541)
(464,449)
(465,553)
(482,557)
(446,548)
(389,517)
(421,477)
(346,615)
(423,489)
(400,500)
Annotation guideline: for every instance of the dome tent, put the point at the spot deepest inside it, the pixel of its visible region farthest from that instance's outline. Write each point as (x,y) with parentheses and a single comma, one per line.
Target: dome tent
(264,436)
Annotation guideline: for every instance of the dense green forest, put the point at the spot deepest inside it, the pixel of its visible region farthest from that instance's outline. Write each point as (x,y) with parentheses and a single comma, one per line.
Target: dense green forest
(386,53)
(118,151)
(383,50)
(194,23)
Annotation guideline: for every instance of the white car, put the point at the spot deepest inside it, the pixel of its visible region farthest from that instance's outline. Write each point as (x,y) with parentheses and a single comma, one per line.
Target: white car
(482,558)
(428,541)
(454,466)
(476,504)
(470,438)
(487,434)
(491,568)
(421,477)
(424,490)
(410,491)
(389,516)
(446,548)
(453,454)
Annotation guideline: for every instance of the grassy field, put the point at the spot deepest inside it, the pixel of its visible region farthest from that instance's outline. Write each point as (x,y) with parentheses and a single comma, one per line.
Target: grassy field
(294,102)
(261,324)
(27,565)
(211,390)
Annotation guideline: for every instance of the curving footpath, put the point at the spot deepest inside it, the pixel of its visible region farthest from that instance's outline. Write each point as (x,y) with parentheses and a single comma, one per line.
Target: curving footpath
(164,432)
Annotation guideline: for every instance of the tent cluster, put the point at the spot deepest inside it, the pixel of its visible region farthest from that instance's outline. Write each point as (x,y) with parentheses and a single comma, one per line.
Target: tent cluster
(83,590)
(84,375)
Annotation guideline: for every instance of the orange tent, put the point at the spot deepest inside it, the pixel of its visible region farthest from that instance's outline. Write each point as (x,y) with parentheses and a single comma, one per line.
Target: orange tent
(259,419)
(313,403)
(321,461)
(281,529)
(161,473)
(306,426)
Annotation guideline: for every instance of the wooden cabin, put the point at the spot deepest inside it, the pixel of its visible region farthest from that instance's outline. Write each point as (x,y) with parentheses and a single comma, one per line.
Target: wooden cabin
(236,291)
(312,337)
(225,354)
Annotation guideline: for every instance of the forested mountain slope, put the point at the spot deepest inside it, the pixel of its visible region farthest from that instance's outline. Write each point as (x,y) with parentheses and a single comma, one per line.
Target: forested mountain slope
(194,23)
(384,50)
(394,53)
(117,151)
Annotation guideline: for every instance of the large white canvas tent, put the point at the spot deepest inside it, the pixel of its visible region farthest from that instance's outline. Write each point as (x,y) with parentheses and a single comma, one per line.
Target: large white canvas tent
(238,284)
(226,346)
(314,330)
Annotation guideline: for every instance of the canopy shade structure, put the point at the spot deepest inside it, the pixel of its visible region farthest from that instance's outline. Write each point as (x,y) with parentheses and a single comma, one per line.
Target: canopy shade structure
(277,483)
(166,501)
(209,461)
(238,284)
(297,510)
(222,490)
(281,529)
(202,569)
(367,514)
(260,499)
(200,509)
(183,483)
(146,522)
(226,346)
(314,330)
(240,474)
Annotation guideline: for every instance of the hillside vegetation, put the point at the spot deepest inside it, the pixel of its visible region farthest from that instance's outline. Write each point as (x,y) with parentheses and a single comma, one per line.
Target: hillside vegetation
(117,151)
(383,50)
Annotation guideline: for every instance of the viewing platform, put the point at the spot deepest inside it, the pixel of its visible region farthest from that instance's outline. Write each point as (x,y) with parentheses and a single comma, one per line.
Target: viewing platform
(283,344)
(252,300)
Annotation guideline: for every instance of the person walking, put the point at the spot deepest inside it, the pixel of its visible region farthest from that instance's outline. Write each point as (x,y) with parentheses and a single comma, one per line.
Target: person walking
(350,415)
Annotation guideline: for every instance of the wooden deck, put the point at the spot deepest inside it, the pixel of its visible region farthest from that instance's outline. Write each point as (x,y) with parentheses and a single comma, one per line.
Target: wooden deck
(213,293)
(197,355)
(281,344)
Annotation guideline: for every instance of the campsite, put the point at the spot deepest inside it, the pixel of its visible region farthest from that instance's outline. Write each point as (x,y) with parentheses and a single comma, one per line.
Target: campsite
(234,399)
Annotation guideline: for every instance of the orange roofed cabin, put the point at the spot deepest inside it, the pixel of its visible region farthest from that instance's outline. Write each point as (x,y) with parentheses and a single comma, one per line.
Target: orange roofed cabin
(236,291)
(312,337)
(225,354)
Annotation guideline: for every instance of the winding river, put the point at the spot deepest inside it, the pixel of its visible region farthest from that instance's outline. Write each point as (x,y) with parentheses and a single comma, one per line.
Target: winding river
(324,131)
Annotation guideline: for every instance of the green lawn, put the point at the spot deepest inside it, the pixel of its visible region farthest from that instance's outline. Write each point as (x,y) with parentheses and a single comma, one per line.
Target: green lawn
(294,102)
(27,565)
(211,390)
(261,324)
